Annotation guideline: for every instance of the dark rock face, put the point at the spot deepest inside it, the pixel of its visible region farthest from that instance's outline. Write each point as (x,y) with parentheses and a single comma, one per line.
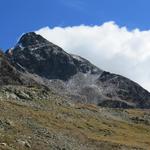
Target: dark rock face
(8,74)
(123,89)
(84,65)
(39,56)
(72,75)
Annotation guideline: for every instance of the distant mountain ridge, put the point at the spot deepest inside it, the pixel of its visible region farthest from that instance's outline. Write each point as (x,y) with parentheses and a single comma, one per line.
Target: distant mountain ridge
(47,64)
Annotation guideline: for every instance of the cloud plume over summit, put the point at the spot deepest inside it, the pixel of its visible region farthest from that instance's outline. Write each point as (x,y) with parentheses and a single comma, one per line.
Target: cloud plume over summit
(108,46)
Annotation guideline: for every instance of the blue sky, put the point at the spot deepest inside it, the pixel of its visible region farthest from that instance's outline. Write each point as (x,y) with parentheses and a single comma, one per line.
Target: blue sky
(20,16)
(112,34)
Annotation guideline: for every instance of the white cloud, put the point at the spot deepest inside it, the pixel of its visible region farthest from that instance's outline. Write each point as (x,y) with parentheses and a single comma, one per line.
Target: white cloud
(110,47)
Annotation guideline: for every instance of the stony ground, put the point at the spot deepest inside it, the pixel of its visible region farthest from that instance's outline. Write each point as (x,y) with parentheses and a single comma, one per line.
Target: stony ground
(39,119)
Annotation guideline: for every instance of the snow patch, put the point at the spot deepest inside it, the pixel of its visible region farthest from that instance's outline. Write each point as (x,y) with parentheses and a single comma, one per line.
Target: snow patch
(20,46)
(77,57)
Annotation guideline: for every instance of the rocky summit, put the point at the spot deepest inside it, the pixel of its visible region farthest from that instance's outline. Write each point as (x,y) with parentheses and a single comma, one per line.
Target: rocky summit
(49,65)
(53,100)
(39,56)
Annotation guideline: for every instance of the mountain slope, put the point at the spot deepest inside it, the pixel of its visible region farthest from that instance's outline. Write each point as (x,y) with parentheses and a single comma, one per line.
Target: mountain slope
(34,119)
(123,89)
(9,75)
(75,76)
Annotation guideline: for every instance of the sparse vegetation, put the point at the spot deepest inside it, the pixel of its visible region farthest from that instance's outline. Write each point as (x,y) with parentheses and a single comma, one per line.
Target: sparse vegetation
(56,123)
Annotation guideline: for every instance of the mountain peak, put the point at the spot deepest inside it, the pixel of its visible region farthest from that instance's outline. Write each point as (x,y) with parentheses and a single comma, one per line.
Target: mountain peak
(39,56)
(31,39)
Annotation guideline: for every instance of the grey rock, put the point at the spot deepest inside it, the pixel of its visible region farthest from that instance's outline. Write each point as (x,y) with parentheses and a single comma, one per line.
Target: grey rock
(24,143)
